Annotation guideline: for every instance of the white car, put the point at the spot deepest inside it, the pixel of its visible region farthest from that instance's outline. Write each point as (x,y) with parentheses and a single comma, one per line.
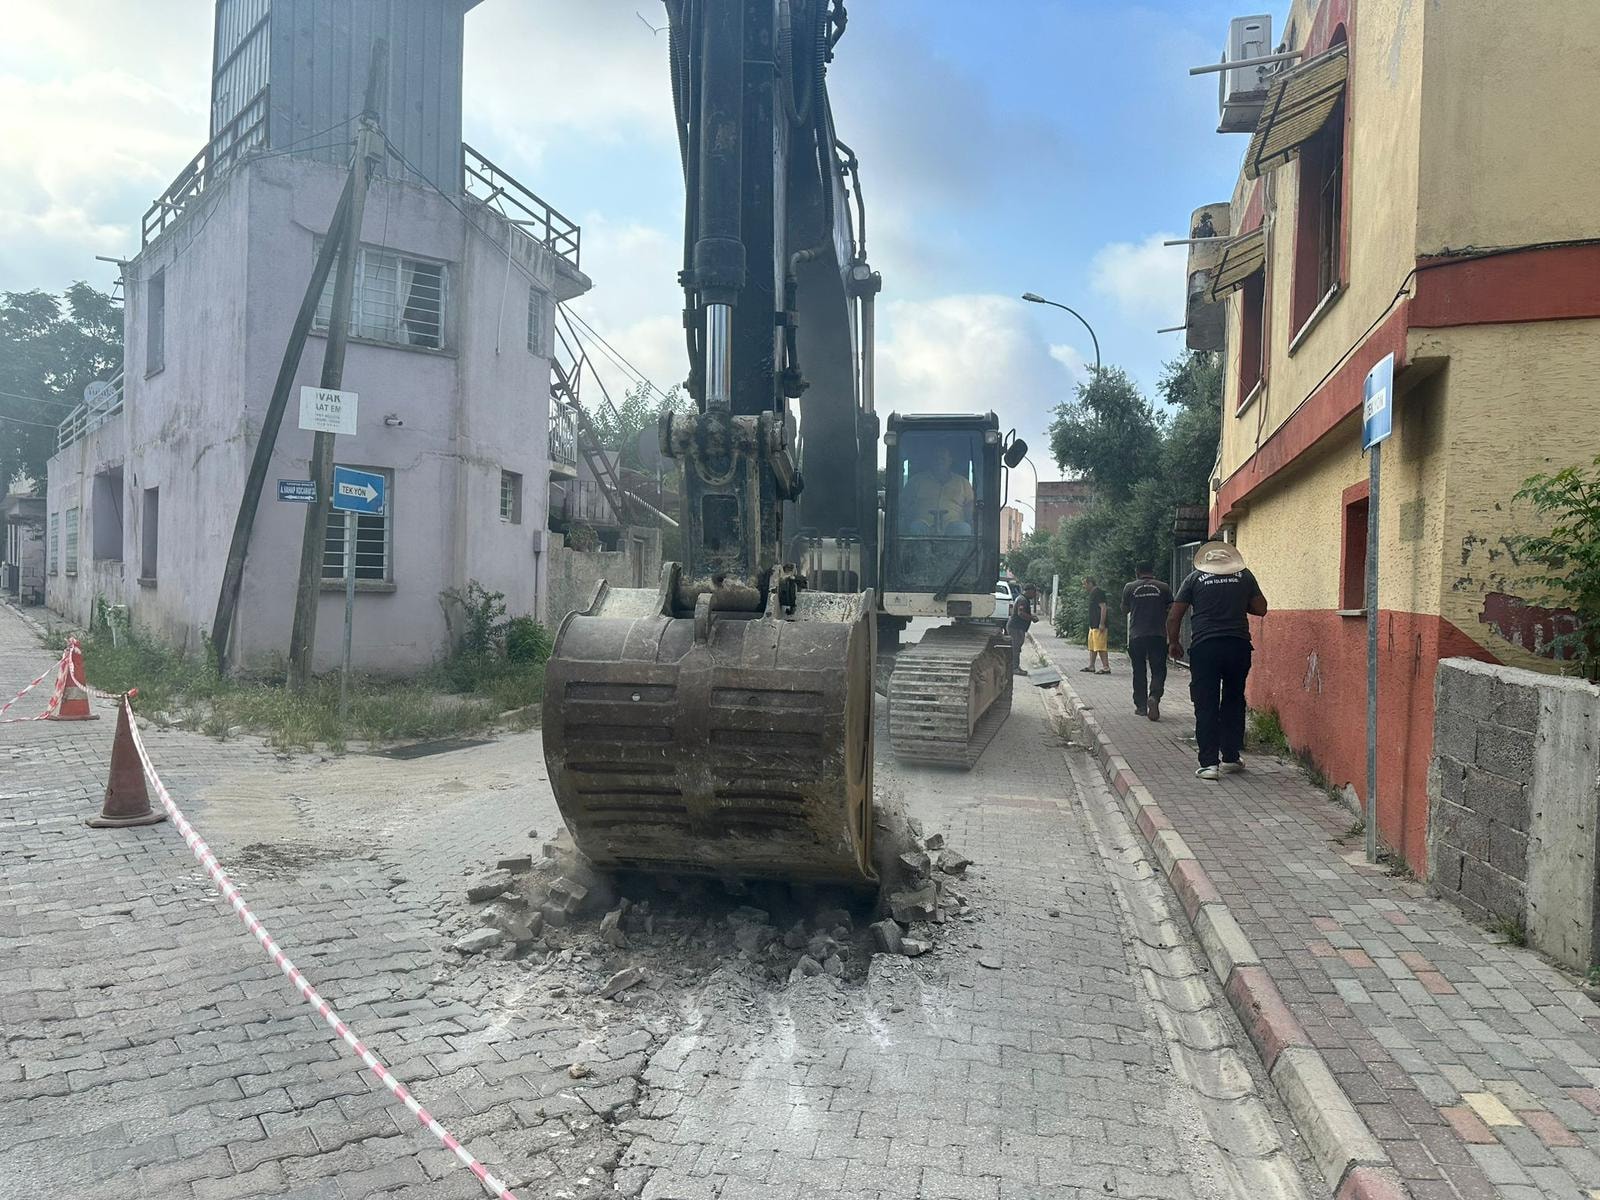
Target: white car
(1005,594)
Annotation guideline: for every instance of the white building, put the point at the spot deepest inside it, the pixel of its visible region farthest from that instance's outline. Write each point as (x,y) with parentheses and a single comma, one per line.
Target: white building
(451,332)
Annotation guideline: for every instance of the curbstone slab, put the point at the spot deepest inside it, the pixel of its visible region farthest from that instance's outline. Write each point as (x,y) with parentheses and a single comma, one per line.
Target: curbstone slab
(1225,944)
(1266,1018)
(1151,820)
(1194,887)
(1370,1183)
(1170,849)
(1334,1132)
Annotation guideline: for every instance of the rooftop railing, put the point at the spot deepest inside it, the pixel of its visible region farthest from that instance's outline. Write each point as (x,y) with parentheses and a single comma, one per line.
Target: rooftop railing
(246,131)
(484,181)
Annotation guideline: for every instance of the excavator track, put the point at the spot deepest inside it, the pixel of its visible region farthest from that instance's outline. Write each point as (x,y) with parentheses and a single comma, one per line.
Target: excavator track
(949,695)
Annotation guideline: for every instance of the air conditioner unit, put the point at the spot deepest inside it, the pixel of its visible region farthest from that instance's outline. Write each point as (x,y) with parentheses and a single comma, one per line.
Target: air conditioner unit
(1243,89)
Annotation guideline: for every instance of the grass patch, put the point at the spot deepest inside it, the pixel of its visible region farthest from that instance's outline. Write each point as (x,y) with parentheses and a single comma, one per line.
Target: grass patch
(1513,930)
(462,695)
(1264,733)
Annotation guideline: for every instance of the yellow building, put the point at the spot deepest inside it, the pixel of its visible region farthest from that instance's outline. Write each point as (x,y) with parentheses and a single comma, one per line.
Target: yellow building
(1422,181)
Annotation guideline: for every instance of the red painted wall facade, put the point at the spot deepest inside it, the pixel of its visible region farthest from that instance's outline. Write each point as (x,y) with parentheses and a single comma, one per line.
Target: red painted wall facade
(1311,668)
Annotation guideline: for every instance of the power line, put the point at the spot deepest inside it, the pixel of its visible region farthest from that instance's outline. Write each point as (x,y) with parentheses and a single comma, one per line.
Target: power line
(20,421)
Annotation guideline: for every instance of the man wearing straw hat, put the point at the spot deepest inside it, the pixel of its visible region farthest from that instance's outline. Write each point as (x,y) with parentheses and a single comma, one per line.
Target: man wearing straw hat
(1223,594)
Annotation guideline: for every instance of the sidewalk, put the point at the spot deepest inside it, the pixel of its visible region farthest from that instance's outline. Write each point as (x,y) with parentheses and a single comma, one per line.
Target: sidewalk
(1474,1063)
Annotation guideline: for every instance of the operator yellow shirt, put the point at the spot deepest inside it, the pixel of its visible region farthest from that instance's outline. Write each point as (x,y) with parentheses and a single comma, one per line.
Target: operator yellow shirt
(937,504)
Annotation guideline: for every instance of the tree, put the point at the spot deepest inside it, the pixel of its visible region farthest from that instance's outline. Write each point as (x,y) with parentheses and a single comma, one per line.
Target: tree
(1568,557)
(1109,432)
(641,409)
(50,347)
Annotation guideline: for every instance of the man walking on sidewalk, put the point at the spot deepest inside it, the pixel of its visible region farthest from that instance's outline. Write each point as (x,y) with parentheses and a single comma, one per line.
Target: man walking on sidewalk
(1099,628)
(1223,594)
(1024,612)
(1146,601)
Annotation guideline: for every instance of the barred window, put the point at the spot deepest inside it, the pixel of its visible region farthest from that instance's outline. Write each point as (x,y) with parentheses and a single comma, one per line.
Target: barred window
(511,497)
(72,541)
(540,323)
(374,540)
(395,299)
(55,541)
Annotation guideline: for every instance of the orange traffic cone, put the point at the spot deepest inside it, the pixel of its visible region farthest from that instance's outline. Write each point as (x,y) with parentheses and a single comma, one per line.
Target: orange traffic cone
(127,801)
(74,696)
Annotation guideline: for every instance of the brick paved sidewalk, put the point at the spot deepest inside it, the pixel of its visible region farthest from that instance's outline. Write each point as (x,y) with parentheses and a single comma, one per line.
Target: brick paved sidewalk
(1475,1063)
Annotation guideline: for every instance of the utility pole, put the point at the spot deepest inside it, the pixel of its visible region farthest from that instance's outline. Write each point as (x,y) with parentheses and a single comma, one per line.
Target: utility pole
(303,637)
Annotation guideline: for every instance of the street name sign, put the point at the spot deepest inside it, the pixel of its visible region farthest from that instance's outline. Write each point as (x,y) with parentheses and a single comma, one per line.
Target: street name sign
(297,491)
(357,491)
(325,410)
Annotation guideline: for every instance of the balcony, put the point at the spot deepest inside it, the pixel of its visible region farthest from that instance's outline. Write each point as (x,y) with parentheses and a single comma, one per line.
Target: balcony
(563,442)
(102,400)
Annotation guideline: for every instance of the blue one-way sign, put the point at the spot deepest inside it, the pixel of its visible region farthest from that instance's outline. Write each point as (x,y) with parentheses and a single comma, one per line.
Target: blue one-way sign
(357,491)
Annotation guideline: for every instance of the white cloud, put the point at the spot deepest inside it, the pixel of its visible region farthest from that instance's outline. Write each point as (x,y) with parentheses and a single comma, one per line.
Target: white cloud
(974,353)
(1144,279)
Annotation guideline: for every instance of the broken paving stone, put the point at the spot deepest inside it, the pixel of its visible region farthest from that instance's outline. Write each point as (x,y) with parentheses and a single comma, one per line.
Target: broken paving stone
(914,947)
(886,935)
(568,894)
(519,927)
(934,841)
(834,966)
(748,915)
(916,864)
(808,965)
(797,936)
(952,863)
(829,919)
(523,862)
(478,941)
(611,929)
(623,980)
(992,962)
(753,939)
(495,883)
(918,905)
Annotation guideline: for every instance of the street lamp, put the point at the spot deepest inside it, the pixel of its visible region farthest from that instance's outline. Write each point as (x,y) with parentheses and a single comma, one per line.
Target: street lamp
(1034,298)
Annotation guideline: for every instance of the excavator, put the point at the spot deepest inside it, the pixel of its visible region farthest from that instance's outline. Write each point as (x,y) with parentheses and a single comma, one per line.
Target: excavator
(722,723)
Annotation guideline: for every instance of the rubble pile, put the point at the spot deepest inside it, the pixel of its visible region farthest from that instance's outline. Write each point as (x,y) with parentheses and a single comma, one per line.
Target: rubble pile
(623,938)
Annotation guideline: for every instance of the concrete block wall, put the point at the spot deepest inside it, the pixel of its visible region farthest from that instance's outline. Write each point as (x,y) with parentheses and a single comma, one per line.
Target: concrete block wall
(573,574)
(1514,801)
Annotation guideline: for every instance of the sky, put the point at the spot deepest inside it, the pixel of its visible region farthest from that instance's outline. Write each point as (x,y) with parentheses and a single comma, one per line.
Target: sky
(1018,145)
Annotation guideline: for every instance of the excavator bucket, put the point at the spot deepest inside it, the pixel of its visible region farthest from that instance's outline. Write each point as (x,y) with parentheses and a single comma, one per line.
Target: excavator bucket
(723,744)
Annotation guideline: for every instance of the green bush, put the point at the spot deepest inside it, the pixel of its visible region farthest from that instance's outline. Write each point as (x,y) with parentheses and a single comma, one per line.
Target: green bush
(1569,556)
(527,642)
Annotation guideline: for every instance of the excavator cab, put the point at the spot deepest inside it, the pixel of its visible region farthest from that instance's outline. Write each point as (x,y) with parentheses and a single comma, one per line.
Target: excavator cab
(941,528)
(950,693)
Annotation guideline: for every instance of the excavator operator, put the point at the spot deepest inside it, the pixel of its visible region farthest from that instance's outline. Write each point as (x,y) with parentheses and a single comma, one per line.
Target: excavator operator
(938,501)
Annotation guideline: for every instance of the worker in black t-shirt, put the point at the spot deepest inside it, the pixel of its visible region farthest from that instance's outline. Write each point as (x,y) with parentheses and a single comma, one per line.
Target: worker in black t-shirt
(1223,595)
(1024,612)
(1146,601)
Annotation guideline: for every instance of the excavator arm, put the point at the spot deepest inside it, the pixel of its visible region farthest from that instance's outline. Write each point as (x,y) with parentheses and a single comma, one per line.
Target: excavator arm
(722,723)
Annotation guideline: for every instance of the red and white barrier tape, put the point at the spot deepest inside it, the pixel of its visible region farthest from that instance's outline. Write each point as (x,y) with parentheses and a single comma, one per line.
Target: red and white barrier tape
(225,885)
(61,669)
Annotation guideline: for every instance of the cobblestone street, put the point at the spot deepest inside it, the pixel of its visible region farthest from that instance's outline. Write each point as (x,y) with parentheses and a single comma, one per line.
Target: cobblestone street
(152,1049)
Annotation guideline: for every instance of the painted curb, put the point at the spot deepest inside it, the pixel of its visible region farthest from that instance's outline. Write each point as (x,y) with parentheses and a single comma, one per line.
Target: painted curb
(1352,1161)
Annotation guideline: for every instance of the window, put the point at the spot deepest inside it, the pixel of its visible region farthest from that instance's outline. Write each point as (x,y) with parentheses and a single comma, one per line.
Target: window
(1353,551)
(395,299)
(511,497)
(72,541)
(1252,315)
(55,541)
(106,526)
(374,541)
(155,322)
(539,321)
(149,532)
(1319,221)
